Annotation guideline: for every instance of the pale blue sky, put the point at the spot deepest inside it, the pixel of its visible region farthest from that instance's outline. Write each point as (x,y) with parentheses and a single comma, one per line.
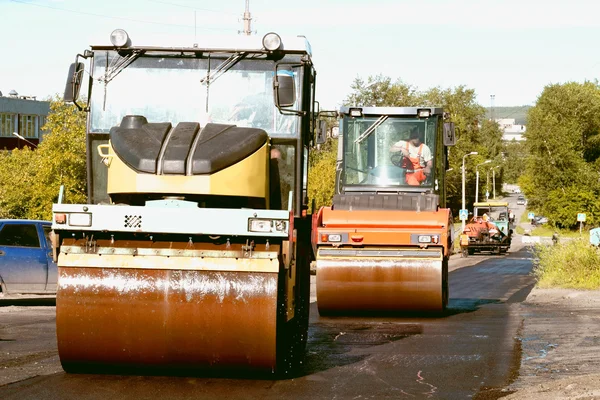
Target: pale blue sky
(509,48)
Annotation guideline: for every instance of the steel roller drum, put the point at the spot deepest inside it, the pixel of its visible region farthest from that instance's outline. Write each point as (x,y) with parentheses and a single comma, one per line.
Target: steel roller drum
(221,313)
(380,280)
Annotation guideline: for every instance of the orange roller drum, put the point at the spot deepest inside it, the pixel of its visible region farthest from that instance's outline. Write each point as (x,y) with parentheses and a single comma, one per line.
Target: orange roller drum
(176,318)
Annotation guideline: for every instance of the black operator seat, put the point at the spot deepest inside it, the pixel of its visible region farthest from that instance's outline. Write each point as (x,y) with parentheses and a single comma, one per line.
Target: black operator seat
(158,148)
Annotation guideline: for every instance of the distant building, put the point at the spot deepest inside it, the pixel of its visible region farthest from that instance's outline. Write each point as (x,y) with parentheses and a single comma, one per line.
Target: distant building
(511,130)
(24,115)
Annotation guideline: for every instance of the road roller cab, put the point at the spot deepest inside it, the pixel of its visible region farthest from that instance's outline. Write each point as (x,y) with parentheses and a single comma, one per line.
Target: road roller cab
(193,250)
(384,243)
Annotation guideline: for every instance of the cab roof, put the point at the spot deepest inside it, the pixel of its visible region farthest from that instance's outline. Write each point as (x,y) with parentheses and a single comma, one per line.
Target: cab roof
(391,111)
(491,204)
(230,43)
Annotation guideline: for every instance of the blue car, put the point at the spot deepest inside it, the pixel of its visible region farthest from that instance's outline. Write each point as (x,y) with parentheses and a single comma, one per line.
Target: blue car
(26,264)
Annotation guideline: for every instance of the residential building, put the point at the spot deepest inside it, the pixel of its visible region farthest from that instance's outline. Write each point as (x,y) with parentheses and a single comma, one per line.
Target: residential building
(23,115)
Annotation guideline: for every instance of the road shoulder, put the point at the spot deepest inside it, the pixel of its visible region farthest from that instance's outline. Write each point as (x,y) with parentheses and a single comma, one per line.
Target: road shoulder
(560,342)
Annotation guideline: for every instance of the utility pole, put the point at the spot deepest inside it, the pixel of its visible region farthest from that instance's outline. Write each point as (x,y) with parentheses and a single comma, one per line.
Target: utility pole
(477,179)
(492,97)
(247,20)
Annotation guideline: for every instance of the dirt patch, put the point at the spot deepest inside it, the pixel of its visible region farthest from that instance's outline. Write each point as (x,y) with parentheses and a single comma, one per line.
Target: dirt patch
(560,344)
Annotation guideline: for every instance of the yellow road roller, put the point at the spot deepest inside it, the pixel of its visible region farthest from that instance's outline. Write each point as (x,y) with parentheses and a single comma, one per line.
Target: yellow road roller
(193,250)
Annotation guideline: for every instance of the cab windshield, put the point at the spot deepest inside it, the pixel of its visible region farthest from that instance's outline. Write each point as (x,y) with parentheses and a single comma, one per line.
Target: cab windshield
(493,214)
(164,88)
(389,151)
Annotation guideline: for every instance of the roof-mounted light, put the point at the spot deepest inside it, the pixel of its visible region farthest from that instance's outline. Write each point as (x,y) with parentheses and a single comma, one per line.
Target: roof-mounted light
(424,113)
(356,112)
(120,38)
(272,41)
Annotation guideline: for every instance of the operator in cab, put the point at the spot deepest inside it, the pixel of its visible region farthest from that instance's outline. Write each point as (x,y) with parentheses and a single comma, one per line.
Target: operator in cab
(417,158)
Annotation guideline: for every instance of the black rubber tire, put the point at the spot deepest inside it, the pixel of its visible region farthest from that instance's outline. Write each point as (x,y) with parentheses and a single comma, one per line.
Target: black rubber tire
(445,285)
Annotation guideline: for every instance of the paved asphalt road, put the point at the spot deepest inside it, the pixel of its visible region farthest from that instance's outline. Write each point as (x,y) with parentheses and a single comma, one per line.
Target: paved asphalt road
(470,352)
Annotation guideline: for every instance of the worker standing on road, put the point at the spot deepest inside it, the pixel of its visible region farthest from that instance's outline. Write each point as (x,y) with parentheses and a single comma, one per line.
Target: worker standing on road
(464,244)
(419,155)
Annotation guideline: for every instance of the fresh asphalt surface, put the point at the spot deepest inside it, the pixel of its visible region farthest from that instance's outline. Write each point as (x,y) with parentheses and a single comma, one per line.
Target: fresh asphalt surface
(469,352)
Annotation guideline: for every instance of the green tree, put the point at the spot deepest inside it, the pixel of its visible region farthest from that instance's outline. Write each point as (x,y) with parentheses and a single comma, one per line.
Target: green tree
(379,91)
(516,160)
(321,174)
(473,133)
(30,180)
(563,140)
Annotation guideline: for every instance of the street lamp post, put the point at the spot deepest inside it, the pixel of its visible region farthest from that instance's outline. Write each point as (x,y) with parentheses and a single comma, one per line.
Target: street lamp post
(477,179)
(464,205)
(487,186)
(494,179)
(22,138)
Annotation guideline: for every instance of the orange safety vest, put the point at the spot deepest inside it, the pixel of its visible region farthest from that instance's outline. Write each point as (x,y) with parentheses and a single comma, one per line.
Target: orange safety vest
(415,176)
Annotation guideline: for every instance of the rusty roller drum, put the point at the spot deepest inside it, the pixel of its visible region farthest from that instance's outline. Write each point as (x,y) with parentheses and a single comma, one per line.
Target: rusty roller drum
(175,312)
(365,281)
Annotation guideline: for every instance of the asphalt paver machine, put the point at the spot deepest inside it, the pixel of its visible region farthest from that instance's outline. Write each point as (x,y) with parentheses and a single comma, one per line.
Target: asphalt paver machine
(489,228)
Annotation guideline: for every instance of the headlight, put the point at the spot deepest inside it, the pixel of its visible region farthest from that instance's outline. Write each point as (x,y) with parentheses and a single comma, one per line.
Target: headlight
(281,226)
(424,239)
(356,112)
(271,41)
(267,225)
(119,38)
(423,113)
(80,219)
(259,225)
(334,237)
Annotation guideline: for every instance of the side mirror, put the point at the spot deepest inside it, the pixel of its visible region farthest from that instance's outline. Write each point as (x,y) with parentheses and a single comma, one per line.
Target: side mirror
(449,134)
(73,82)
(285,88)
(321,132)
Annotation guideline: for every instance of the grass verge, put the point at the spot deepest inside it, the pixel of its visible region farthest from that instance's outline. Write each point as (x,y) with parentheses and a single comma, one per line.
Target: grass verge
(573,264)
(547,231)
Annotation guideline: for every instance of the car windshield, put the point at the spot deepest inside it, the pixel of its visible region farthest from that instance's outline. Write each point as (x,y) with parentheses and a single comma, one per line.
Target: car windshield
(389,151)
(170,89)
(493,213)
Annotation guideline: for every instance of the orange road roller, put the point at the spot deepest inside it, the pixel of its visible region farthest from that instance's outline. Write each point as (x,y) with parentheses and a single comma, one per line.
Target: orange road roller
(384,244)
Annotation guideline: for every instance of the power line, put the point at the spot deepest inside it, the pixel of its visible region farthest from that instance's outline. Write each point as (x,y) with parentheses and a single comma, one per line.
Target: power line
(113,17)
(191,7)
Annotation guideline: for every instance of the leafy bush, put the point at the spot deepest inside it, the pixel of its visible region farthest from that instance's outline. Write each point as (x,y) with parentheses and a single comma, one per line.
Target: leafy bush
(563,205)
(572,264)
(321,174)
(30,180)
